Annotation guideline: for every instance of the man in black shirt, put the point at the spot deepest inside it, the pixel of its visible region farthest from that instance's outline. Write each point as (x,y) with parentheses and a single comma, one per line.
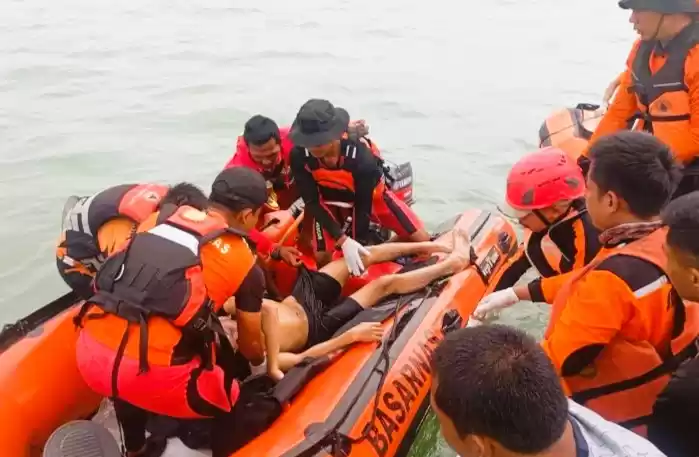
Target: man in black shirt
(335,175)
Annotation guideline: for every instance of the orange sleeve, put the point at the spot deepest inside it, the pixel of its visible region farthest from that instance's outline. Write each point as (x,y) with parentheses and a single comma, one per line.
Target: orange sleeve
(225,263)
(599,306)
(550,286)
(114,233)
(686,146)
(621,109)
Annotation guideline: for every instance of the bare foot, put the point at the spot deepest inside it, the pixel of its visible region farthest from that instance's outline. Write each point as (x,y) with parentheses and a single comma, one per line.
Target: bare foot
(460,255)
(275,373)
(443,245)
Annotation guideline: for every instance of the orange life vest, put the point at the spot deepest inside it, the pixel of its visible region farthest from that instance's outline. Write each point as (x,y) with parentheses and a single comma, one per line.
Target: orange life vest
(337,185)
(626,378)
(158,276)
(550,259)
(78,244)
(662,97)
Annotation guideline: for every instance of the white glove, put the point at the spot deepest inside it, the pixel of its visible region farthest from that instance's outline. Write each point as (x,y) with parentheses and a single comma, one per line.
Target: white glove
(473,322)
(352,252)
(495,301)
(259,369)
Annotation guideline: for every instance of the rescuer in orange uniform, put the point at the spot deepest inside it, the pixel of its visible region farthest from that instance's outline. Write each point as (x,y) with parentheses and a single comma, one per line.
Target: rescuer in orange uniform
(335,174)
(659,91)
(617,329)
(150,336)
(545,193)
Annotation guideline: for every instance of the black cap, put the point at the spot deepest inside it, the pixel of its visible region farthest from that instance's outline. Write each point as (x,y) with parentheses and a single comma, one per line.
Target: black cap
(662,6)
(238,188)
(318,122)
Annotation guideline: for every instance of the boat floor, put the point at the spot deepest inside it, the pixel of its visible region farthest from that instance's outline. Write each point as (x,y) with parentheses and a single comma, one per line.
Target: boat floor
(175,448)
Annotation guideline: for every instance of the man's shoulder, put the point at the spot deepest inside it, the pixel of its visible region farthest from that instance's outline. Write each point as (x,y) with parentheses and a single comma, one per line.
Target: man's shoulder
(636,273)
(605,438)
(229,246)
(286,144)
(297,153)
(632,54)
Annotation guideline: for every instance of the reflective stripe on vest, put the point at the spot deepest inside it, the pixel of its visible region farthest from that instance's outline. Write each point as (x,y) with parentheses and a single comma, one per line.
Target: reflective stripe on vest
(177,236)
(77,217)
(347,205)
(350,151)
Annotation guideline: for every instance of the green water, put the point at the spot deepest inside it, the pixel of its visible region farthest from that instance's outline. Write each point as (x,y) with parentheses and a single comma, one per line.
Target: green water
(98,93)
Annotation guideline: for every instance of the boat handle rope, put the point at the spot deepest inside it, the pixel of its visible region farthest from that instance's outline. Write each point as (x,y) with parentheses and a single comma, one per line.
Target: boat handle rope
(337,438)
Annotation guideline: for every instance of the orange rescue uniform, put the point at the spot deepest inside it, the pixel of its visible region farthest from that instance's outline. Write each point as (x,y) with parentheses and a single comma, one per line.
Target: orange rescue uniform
(568,244)
(617,331)
(173,360)
(660,88)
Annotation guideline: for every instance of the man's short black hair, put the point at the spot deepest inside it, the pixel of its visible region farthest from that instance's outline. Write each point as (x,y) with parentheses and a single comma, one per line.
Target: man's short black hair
(497,382)
(259,130)
(185,193)
(636,166)
(682,219)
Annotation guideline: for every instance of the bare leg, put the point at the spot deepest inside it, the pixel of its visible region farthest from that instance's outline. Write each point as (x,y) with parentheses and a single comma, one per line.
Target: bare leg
(270,329)
(383,253)
(419,236)
(404,283)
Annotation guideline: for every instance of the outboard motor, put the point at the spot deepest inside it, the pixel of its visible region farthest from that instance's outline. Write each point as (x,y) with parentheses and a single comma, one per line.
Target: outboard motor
(400,179)
(81,438)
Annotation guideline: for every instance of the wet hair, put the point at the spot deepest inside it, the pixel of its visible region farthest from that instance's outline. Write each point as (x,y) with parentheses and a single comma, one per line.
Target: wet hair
(185,193)
(497,382)
(637,167)
(682,219)
(259,130)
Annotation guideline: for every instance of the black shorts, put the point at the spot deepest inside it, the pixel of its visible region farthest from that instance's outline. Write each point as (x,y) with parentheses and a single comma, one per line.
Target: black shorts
(320,296)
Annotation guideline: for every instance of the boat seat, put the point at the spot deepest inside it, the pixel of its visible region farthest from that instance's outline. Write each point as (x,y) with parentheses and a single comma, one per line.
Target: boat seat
(81,438)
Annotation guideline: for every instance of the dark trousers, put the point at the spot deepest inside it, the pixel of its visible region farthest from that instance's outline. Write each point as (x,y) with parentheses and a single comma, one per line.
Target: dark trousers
(690,179)
(673,427)
(133,424)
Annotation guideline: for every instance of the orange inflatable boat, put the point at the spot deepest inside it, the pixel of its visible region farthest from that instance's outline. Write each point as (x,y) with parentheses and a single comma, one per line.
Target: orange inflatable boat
(570,128)
(365,401)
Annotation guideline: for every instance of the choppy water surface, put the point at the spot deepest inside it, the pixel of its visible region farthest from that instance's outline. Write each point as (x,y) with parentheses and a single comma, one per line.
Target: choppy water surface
(97,93)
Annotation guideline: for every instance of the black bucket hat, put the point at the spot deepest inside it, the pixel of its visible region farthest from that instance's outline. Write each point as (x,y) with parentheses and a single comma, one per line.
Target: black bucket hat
(661,6)
(318,122)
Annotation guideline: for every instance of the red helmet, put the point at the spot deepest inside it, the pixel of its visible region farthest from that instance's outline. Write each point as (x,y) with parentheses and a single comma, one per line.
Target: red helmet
(543,178)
